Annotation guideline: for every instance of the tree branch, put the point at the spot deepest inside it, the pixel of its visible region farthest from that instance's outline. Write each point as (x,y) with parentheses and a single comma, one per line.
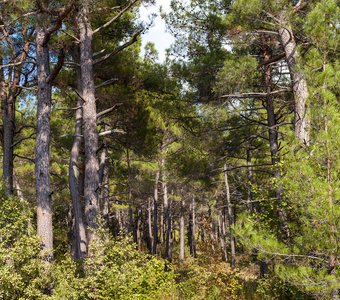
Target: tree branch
(104,133)
(57,67)
(62,15)
(255,94)
(120,48)
(125,9)
(106,111)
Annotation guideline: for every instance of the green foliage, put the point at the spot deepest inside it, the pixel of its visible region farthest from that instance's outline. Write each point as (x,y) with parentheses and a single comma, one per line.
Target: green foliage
(115,270)
(22,273)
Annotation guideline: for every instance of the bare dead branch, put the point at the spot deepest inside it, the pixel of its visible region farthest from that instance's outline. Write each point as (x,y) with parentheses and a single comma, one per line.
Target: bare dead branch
(108,132)
(125,9)
(106,111)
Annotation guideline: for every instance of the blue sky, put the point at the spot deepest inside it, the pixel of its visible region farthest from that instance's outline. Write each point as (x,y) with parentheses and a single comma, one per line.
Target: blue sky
(157,33)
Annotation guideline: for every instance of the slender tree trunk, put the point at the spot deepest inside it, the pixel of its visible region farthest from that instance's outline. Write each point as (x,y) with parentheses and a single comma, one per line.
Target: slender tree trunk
(8,121)
(167,214)
(222,231)
(104,184)
(8,99)
(155,215)
(273,142)
(73,179)
(211,228)
(18,187)
(181,232)
(150,235)
(42,156)
(333,258)
(138,221)
(299,83)
(131,224)
(230,219)
(162,225)
(192,228)
(252,205)
(91,180)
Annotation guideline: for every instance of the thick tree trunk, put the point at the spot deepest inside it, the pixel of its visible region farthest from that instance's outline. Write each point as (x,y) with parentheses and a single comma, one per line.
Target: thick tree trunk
(155,215)
(42,156)
(299,83)
(181,232)
(91,180)
(230,219)
(79,243)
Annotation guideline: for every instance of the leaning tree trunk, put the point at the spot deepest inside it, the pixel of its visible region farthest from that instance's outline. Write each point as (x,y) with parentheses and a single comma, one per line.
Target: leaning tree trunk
(42,156)
(79,243)
(230,219)
(299,83)
(91,180)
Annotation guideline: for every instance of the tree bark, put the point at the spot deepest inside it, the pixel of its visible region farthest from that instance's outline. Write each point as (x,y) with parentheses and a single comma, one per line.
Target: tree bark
(230,219)
(222,231)
(8,95)
(91,180)
(150,235)
(299,83)
(192,228)
(42,159)
(167,214)
(155,215)
(79,243)
(104,184)
(181,232)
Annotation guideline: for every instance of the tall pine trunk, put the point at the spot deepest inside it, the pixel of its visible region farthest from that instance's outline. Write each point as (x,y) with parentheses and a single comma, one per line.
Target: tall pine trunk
(42,156)
(79,243)
(91,180)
